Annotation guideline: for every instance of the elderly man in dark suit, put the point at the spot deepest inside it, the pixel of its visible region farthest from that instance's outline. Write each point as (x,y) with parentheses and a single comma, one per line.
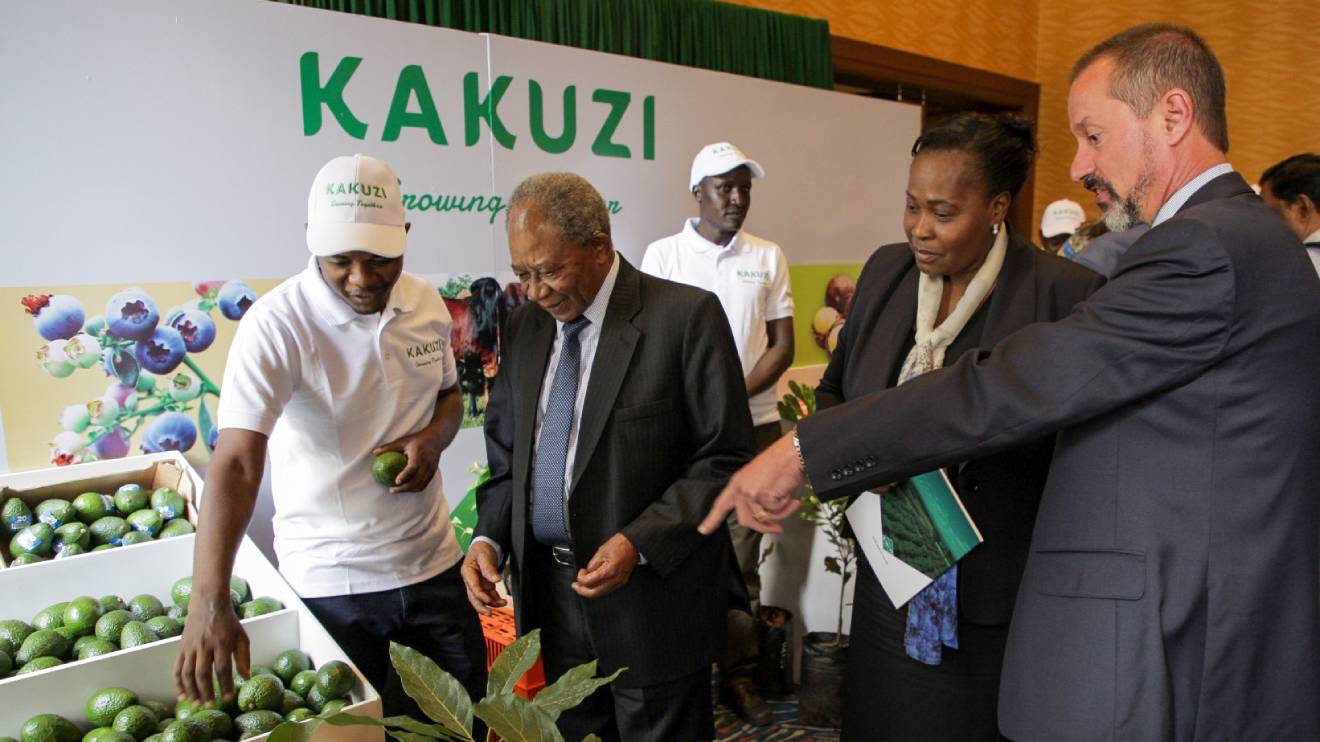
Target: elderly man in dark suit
(618,414)
(1171,589)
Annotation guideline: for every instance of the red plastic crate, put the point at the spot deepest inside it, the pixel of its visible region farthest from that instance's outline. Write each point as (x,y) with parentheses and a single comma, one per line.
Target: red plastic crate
(500,632)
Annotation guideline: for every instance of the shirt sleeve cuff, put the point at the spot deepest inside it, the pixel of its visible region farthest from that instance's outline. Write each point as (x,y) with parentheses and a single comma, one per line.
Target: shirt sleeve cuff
(258,422)
(499,553)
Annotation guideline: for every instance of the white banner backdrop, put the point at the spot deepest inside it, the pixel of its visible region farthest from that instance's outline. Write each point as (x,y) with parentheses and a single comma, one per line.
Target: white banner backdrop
(836,165)
(163,141)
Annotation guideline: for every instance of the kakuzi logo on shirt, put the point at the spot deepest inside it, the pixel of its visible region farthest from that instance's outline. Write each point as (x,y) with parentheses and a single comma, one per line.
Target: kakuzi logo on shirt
(425,354)
(759,277)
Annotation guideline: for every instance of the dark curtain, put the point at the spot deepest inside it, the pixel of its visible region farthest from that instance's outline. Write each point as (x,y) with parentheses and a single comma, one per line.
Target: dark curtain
(695,33)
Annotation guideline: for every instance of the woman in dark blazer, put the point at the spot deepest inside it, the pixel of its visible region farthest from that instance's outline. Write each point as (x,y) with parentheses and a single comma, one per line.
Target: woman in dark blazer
(963,177)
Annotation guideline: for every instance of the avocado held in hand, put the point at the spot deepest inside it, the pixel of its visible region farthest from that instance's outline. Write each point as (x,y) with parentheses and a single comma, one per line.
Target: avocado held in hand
(386,467)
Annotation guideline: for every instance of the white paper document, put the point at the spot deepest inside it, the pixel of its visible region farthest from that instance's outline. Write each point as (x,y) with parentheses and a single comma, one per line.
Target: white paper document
(912,532)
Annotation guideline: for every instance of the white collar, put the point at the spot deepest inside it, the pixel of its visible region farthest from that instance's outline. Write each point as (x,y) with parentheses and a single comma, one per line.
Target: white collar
(336,311)
(1312,238)
(1180,196)
(595,311)
(703,245)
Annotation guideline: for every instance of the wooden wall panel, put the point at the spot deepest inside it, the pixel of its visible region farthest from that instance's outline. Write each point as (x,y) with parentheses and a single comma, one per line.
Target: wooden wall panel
(1268,51)
(995,35)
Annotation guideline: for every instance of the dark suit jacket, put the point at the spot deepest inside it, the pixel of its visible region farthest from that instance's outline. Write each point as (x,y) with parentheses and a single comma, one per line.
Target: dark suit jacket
(1102,253)
(1171,590)
(664,425)
(1001,491)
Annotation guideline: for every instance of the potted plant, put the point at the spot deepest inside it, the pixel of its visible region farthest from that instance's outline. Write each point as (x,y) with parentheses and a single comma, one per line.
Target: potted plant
(824,654)
(442,698)
(774,661)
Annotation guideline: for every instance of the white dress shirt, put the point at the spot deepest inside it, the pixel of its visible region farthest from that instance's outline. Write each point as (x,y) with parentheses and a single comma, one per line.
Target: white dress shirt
(1312,243)
(588,340)
(1181,195)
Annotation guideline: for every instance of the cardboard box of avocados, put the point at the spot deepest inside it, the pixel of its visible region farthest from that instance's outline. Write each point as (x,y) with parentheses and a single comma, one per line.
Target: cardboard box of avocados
(148,669)
(149,472)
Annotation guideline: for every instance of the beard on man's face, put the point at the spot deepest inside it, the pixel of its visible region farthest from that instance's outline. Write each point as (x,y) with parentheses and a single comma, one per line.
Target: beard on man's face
(1120,214)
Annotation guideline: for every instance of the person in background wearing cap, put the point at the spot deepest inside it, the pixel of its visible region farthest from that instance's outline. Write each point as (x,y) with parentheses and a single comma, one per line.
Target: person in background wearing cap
(347,359)
(1060,220)
(1062,231)
(750,277)
(1292,188)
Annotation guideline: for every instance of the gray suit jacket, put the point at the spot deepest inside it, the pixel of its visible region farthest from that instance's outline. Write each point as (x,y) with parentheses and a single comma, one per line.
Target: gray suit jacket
(664,425)
(1102,253)
(1173,586)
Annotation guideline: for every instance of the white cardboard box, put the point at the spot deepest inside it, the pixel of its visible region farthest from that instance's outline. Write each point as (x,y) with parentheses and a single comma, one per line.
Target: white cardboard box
(153,568)
(166,469)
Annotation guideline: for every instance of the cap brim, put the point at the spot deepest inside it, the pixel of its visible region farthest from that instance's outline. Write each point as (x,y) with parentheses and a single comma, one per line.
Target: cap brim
(385,240)
(752,165)
(1055,230)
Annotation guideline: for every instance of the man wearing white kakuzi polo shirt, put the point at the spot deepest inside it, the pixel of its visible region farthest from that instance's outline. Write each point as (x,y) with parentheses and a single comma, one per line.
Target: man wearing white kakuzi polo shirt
(750,277)
(347,359)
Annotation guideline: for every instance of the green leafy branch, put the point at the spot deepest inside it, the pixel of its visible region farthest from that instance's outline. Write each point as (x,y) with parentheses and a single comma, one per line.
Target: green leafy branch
(455,286)
(830,518)
(450,711)
(131,419)
(800,402)
(796,406)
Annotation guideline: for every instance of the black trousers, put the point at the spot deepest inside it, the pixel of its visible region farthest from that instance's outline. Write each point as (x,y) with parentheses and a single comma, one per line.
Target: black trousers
(432,617)
(741,648)
(677,711)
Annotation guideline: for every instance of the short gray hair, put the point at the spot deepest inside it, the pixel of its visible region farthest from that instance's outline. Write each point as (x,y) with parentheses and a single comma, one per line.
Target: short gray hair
(1152,59)
(572,204)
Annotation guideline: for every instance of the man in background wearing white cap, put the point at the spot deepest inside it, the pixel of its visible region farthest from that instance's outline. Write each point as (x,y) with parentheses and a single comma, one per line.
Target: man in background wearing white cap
(750,277)
(347,359)
(1060,220)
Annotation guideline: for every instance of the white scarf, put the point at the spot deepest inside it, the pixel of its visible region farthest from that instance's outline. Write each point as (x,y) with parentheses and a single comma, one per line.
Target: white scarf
(928,352)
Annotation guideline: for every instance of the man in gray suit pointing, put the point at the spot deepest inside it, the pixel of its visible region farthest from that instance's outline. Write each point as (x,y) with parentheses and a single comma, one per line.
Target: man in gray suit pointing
(1172,588)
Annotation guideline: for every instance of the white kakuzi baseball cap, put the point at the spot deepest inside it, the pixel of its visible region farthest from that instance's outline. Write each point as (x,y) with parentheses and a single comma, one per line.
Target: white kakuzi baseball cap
(355,204)
(718,159)
(1061,217)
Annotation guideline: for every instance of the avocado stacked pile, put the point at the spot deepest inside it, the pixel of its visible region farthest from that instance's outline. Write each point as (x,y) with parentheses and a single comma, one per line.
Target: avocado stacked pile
(85,627)
(92,521)
(289,689)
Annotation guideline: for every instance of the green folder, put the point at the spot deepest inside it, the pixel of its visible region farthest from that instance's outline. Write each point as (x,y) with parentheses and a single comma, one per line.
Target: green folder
(925,524)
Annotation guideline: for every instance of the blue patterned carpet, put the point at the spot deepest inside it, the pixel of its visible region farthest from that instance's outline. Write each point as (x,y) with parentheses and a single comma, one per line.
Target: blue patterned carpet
(729,728)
